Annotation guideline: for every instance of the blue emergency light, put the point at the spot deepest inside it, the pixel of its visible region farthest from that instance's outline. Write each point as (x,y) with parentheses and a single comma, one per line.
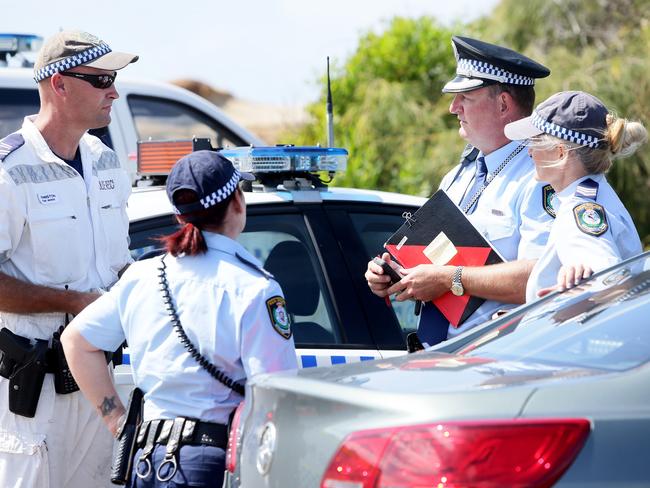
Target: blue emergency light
(19,45)
(287,159)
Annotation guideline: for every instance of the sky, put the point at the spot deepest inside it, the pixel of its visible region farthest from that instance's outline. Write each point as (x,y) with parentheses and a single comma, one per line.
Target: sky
(270,51)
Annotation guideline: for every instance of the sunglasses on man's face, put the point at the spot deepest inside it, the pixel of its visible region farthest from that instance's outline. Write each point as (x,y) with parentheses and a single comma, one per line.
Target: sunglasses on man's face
(98,81)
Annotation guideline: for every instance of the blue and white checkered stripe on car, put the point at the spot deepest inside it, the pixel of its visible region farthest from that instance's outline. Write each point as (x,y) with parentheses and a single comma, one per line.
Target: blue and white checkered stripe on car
(563,133)
(70,62)
(313,361)
(310,360)
(222,193)
(474,68)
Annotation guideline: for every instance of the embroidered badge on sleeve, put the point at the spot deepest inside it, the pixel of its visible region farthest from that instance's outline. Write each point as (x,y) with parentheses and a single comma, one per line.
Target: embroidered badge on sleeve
(279,316)
(591,218)
(547,195)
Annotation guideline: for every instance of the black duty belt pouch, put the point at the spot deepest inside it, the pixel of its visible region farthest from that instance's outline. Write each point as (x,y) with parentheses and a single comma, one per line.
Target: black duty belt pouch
(63,381)
(25,365)
(125,443)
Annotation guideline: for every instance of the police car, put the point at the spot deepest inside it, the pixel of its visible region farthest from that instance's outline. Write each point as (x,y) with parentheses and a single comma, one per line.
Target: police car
(316,240)
(145,109)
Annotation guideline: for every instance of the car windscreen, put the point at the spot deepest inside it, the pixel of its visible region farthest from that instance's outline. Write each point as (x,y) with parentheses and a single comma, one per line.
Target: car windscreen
(603,323)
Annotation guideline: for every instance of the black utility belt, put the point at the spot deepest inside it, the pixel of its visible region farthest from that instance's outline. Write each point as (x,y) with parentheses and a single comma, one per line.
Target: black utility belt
(174,433)
(192,431)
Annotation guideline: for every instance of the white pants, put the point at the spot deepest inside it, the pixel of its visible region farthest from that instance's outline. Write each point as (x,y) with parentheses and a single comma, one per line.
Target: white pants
(66,445)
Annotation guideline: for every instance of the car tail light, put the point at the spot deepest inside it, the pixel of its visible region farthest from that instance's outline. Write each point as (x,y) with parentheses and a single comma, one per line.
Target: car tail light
(485,454)
(233,439)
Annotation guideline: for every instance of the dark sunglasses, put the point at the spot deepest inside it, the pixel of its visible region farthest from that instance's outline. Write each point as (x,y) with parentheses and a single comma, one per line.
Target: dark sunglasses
(98,81)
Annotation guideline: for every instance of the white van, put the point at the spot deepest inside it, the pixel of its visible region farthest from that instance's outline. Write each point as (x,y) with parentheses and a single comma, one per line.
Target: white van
(145,110)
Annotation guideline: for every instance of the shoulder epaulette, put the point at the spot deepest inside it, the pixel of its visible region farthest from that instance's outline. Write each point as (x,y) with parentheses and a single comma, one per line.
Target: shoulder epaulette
(588,189)
(251,264)
(470,153)
(9,144)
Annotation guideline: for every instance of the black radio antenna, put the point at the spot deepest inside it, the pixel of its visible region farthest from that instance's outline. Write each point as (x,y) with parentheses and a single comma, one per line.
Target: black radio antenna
(330,113)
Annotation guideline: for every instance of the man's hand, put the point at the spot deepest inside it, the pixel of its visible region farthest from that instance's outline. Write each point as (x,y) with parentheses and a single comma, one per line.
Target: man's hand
(425,282)
(378,281)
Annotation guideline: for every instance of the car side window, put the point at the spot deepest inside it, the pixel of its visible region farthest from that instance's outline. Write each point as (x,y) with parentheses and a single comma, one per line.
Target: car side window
(282,243)
(161,119)
(373,230)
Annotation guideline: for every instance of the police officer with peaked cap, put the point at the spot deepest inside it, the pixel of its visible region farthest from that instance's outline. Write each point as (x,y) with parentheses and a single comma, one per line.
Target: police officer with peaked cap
(493,185)
(223,309)
(63,236)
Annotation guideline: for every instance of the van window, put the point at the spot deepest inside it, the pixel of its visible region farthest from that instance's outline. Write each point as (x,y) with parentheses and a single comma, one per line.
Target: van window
(162,119)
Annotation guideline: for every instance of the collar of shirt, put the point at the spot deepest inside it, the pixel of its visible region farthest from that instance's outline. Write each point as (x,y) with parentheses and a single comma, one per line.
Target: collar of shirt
(495,158)
(39,144)
(220,242)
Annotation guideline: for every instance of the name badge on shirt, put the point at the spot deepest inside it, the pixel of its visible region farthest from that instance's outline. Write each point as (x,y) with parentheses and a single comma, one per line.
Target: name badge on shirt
(47,198)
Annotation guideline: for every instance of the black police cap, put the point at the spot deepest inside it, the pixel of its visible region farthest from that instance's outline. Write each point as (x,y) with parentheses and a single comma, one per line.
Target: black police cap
(481,64)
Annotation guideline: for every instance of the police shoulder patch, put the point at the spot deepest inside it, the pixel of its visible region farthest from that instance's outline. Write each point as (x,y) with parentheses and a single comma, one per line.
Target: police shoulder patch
(591,218)
(9,144)
(279,316)
(547,195)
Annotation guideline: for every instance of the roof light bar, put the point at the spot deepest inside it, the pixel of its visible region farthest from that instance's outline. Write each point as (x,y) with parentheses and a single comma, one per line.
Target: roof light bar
(287,158)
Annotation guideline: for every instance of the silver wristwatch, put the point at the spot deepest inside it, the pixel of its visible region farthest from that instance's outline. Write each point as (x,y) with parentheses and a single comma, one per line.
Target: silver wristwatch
(456,284)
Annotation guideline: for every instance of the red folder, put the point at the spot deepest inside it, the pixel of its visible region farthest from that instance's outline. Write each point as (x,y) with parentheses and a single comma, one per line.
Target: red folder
(440,233)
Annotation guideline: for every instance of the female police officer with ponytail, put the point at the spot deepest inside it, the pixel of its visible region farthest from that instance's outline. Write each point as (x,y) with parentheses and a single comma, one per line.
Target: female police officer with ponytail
(198,320)
(573,140)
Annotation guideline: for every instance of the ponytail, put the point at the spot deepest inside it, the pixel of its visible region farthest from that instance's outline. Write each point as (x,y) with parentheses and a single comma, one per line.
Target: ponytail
(188,241)
(624,137)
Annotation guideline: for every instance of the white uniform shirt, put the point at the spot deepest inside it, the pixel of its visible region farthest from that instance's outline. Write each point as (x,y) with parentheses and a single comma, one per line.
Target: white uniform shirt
(510,213)
(224,307)
(58,229)
(569,244)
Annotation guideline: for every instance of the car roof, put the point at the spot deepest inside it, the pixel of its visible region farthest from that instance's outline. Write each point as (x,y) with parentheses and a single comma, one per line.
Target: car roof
(147,202)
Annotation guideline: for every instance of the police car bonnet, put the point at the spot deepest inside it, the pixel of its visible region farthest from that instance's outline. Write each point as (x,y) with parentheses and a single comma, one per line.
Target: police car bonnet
(68,49)
(208,174)
(481,64)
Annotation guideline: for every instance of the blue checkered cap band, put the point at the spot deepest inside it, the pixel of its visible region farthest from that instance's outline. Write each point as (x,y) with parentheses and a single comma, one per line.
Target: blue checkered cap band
(480,69)
(222,193)
(563,133)
(65,64)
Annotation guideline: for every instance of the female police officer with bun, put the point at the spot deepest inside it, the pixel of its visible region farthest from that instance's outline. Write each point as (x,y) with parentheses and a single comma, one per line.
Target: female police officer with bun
(573,140)
(223,309)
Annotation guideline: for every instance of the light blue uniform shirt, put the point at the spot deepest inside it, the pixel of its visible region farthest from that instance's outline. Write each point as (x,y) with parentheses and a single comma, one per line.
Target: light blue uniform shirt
(568,244)
(510,213)
(226,308)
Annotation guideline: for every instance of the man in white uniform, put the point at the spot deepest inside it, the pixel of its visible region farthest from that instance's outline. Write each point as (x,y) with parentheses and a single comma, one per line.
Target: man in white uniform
(493,185)
(63,237)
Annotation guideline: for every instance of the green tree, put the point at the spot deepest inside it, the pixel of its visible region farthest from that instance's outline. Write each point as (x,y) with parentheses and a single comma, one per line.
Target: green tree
(388,110)
(392,118)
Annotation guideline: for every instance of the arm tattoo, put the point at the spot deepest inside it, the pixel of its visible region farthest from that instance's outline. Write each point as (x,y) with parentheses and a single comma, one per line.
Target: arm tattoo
(107,406)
